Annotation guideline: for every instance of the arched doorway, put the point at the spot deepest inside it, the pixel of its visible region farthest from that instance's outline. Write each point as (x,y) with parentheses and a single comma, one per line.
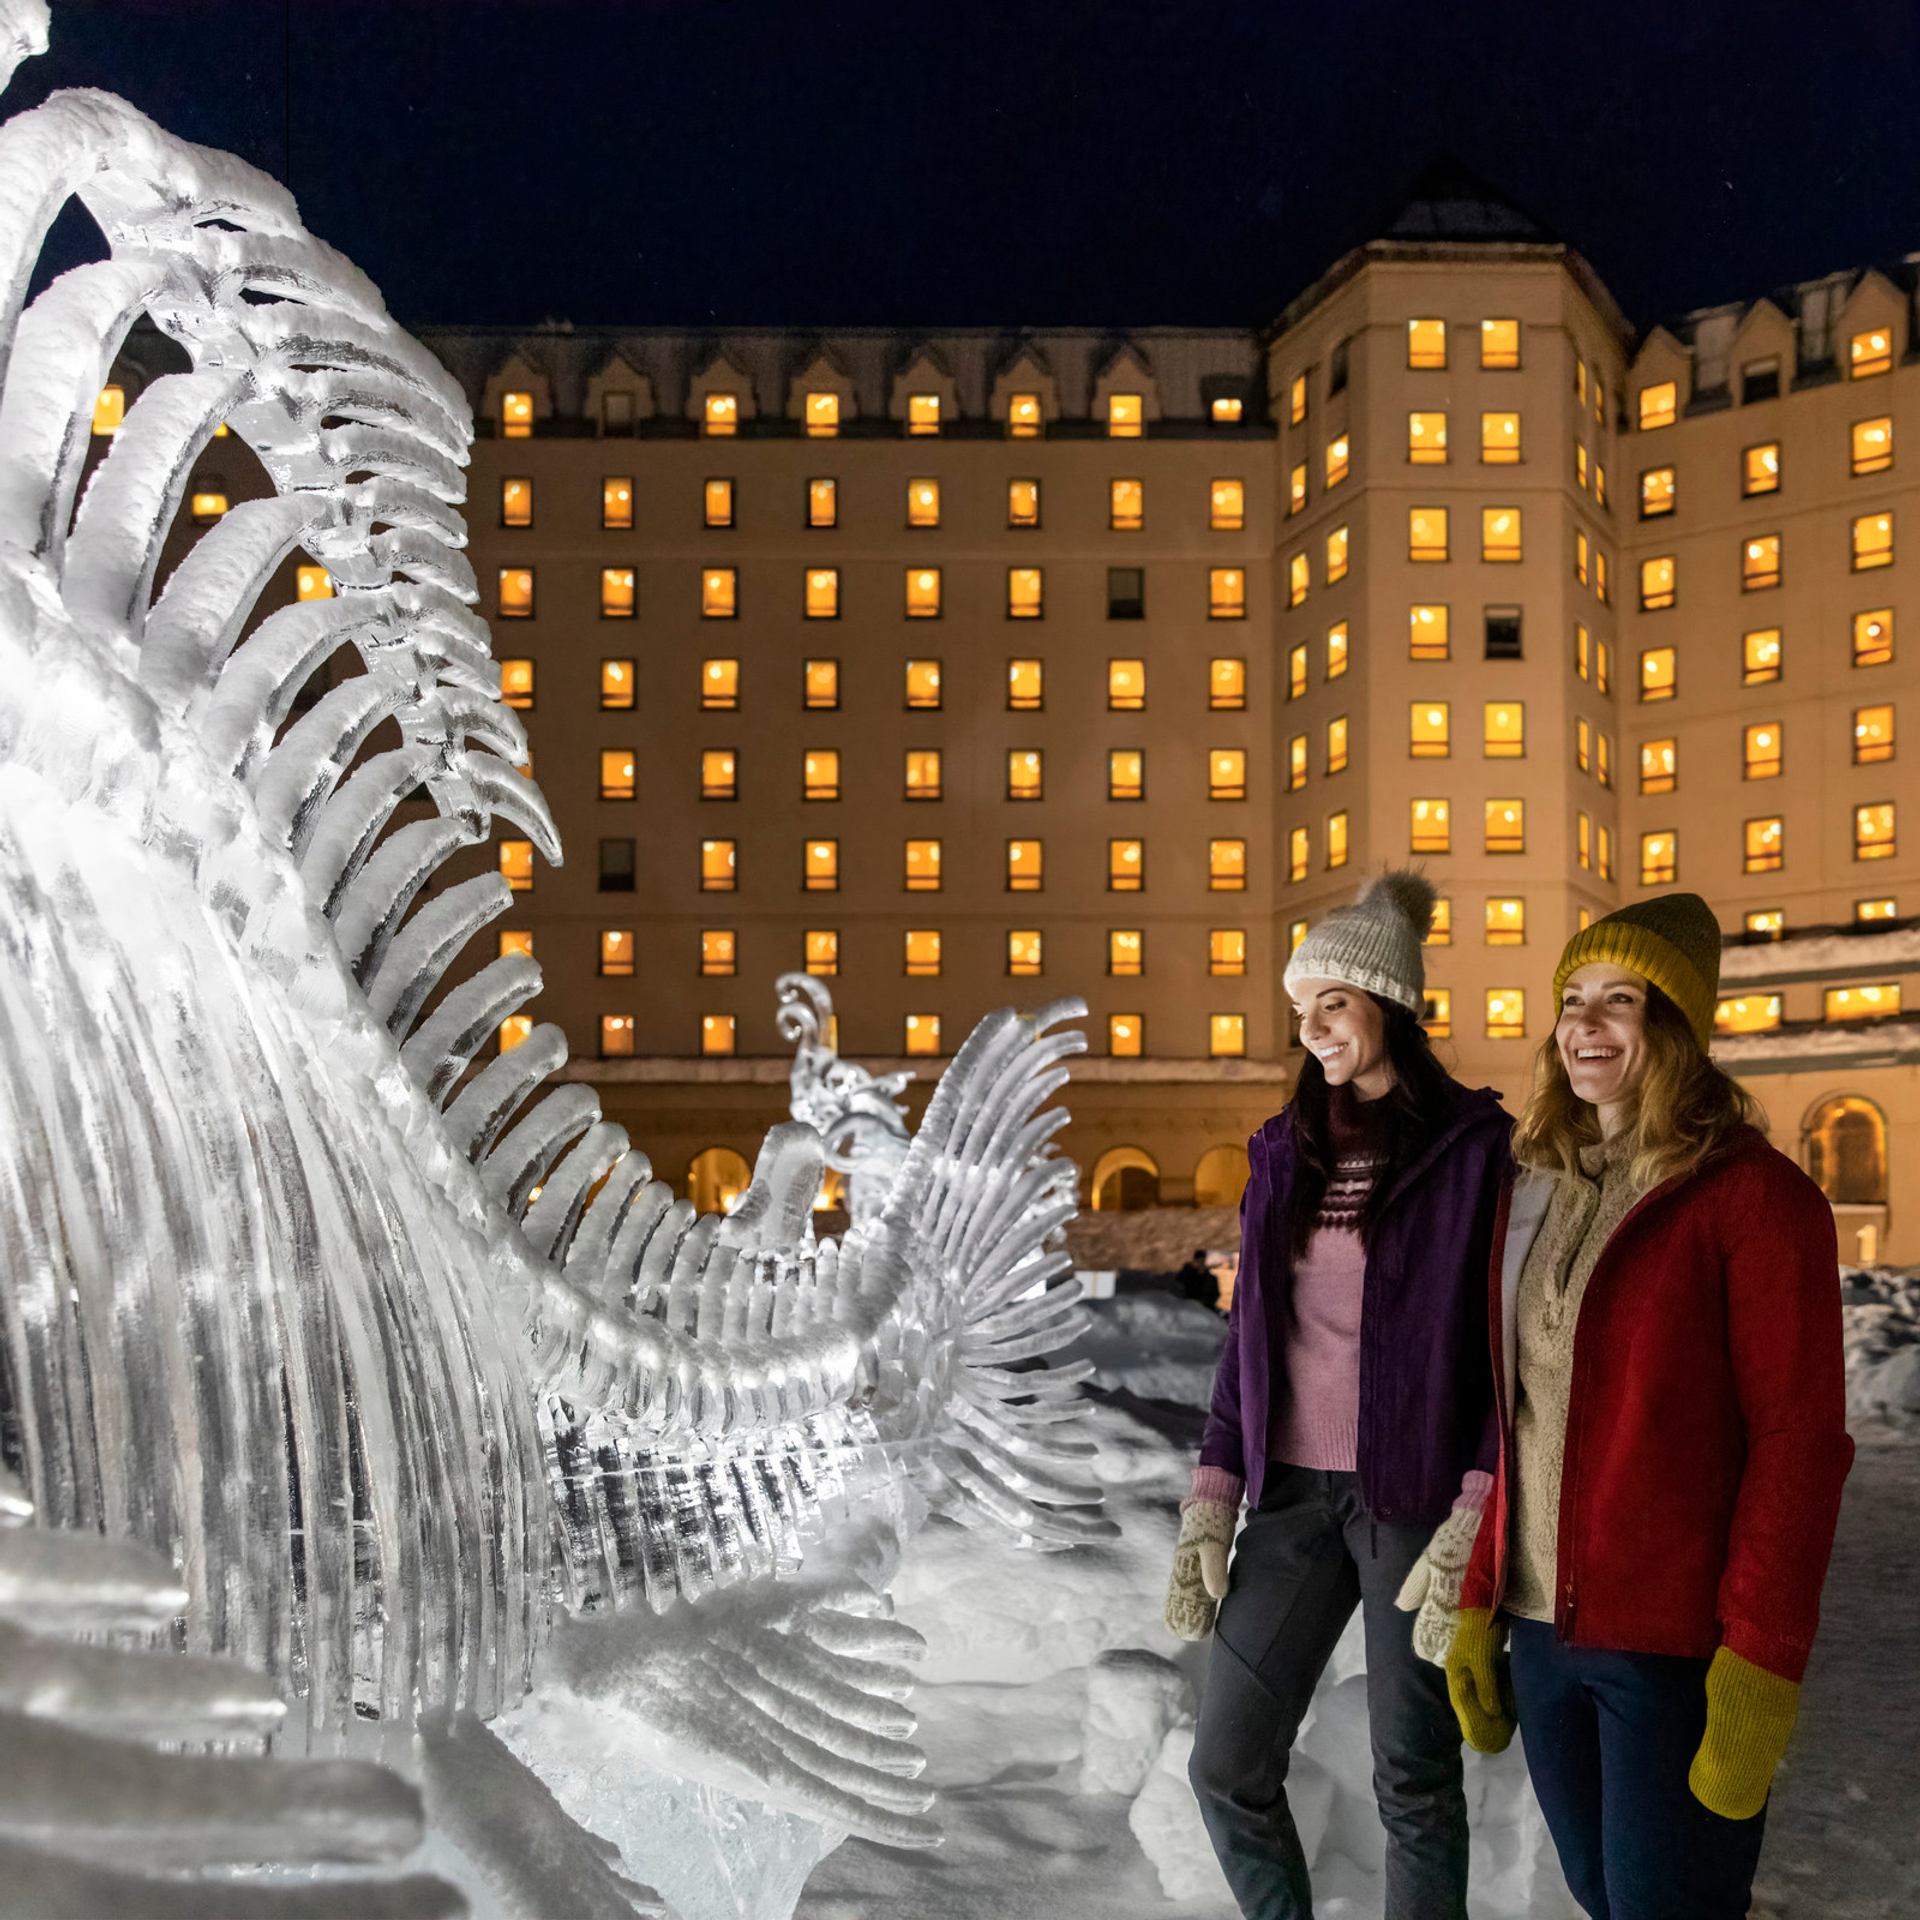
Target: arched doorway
(1124,1180)
(716,1178)
(1844,1147)
(1220,1178)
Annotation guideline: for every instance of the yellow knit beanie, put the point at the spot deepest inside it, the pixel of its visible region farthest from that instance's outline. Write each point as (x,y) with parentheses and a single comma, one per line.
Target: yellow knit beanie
(1673,941)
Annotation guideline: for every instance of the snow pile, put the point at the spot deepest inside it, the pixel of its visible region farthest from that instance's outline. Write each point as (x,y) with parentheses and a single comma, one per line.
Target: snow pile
(1157,1346)
(1882,1308)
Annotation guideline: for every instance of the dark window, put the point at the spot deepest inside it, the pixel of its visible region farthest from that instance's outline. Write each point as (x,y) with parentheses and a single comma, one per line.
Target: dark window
(616,866)
(1503,633)
(1760,380)
(1126,593)
(1337,368)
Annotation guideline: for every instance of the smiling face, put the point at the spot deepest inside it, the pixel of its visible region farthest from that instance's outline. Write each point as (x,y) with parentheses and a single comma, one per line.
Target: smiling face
(1346,1031)
(1602,1036)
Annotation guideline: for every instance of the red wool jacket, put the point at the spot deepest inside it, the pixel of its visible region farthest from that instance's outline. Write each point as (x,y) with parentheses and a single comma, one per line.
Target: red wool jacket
(1706,1435)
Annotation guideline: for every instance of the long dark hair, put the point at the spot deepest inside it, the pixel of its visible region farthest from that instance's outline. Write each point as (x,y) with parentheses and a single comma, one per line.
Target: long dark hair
(1418,1105)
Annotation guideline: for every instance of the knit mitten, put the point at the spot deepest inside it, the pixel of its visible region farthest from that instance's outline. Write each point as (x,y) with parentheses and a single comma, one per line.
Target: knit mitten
(1199,1581)
(1477,1681)
(1750,1714)
(1434,1584)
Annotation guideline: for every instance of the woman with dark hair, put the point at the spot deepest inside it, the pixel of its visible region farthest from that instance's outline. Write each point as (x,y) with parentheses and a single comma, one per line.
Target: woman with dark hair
(1665,1318)
(1353,1407)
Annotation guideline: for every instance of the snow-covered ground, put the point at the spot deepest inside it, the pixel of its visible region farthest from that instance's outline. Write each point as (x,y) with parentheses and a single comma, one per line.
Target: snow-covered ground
(1053,1703)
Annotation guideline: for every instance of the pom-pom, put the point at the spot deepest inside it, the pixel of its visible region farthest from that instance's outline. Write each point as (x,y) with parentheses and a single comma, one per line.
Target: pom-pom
(1409,893)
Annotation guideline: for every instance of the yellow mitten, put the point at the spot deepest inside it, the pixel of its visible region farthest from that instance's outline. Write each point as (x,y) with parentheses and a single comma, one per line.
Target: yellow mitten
(1477,1681)
(1750,1714)
(1199,1581)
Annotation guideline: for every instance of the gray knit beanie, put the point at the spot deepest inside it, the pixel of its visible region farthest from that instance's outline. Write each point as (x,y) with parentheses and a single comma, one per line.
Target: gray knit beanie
(1375,943)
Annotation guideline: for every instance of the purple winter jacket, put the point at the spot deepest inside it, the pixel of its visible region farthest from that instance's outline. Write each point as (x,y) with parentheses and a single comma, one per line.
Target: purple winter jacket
(1426,1381)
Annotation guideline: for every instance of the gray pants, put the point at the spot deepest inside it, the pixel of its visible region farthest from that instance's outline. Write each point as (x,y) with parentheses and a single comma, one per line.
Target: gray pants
(1307,1556)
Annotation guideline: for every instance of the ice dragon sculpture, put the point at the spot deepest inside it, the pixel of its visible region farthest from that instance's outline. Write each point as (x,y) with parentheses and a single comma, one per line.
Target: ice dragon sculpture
(435,1397)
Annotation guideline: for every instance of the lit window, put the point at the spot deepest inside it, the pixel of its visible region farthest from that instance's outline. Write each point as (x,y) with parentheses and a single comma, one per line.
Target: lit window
(1504,730)
(1298,855)
(1126,1035)
(1872,541)
(1339,545)
(719,593)
(1427,633)
(1025,593)
(1583,839)
(1126,773)
(516,940)
(1499,533)
(819,682)
(1606,853)
(1506,826)
(1024,686)
(1602,666)
(718,775)
(1872,735)
(1436,1013)
(1299,578)
(1126,505)
(1024,952)
(1582,745)
(1657,578)
(1297,671)
(616,952)
(1337,839)
(1429,730)
(516,416)
(1226,1035)
(719,952)
(1336,650)
(1499,439)
(1580,466)
(516,503)
(1126,686)
(1124,416)
(1426,533)
(922,864)
(1760,656)
(1863,1003)
(1226,410)
(1659,766)
(1873,831)
(1506,923)
(516,684)
(1296,765)
(1873,445)
(616,502)
(1226,685)
(719,684)
(823,951)
(1870,352)
(1227,865)
(1024,780)
(1023,503)
(923,684)
(923,503)
(1872,910)
(720,415)
(1761,749)
(1227,952)
(1024,416)
(719,866)
(1227,506)
(1126,952)
(1339,459)
(1582,651)
(923,593)
(922,1033)
(313,583)
(1579,380)
(1426,343)
(1656,492)
(1297,399)
(823,593)
(1506,1013)
(1432,830)
(515,1030)
(1226,593)
(923,773)
(1337,745)
(1764,844)
(823,415)
(1760,468)
(823,503)
(1750,1013)
(1427,439)
(1760,562)
(1659,859)
(516,593)
(1297,489)
(820,774)
(616,593)
(1658,405)
(1126,865)
(1499,344)
(516,865)
(1227,771)
(716,1033)
(1873,637)
(820,866)
(1658,674)
(1581,557)
(109,410)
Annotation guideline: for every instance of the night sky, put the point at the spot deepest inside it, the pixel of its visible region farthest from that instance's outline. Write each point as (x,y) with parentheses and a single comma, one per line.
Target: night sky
(713,162)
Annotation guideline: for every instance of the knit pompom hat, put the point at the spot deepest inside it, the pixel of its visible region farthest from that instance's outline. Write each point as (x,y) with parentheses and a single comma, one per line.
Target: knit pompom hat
(1375,943)
(1672,940)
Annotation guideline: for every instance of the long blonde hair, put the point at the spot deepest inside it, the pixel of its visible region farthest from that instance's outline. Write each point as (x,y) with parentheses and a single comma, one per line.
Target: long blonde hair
(1683,1111)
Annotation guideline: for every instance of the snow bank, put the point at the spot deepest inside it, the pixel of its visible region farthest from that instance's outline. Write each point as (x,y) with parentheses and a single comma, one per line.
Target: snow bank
(1882,1308)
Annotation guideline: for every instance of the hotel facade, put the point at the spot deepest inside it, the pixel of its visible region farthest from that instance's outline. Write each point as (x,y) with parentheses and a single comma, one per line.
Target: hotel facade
(984,667)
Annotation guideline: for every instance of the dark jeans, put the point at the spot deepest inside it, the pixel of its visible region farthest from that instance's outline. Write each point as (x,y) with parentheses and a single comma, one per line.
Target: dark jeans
(1309,1555)
(1609,1740)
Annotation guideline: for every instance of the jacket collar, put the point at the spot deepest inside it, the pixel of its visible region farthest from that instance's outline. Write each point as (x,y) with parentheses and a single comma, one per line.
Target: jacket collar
(1273,1145)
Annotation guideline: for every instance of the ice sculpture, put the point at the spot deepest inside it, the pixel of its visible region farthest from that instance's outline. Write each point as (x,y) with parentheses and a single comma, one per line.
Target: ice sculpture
(441,1403)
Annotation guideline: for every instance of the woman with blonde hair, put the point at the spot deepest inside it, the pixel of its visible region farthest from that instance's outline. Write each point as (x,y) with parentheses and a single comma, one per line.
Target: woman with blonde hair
(1665,1332)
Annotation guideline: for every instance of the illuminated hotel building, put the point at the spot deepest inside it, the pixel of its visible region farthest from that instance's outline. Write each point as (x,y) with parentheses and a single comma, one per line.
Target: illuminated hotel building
(988,666)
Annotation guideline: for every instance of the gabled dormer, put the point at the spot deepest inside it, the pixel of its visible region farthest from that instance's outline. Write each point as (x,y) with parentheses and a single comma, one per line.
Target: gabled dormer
(1761,356)
(720,397)
(619,396)
(1125,394)
(925,396)
(1659,383)
(517,398)
(821,395)
(1025,398)
(1870,336)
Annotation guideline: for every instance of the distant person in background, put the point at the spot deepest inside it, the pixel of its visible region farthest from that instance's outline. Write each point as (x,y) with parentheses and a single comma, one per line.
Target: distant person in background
(1353,1407)
(1667,1488)
(1198,1281)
